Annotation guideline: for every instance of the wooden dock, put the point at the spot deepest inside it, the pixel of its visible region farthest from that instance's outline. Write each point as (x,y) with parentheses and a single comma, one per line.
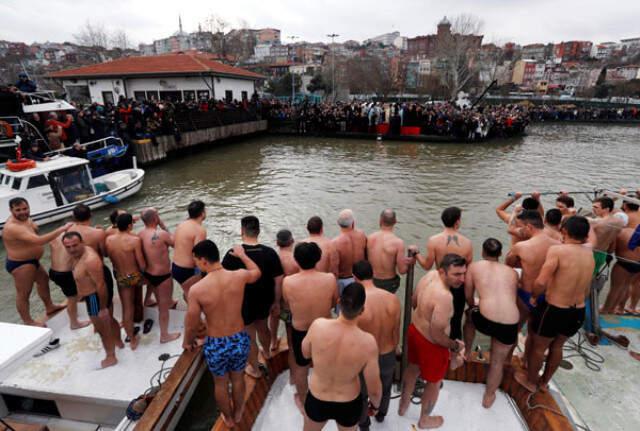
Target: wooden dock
(148,152)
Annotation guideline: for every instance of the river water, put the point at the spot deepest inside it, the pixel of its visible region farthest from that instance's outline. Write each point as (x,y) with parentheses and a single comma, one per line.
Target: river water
(285,180)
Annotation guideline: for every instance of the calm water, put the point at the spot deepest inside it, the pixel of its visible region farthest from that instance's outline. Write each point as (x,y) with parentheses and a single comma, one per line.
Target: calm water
(284,181)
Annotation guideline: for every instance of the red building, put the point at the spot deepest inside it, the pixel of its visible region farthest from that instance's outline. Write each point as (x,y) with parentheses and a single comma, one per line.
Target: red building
(574,50)
(427,46)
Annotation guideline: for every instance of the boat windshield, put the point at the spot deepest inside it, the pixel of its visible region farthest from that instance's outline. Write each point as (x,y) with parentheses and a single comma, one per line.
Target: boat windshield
(73,183)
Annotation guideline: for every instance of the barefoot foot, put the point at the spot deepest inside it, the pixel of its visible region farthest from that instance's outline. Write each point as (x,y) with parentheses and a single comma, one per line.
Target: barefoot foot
(228,422)
(54,308)
(36,323)
(488,400)
(170,337)
(430,422)
(634,355)
(403,406)
(237,418)
(523,379)
(79,324)
(134,342)
(251,371)
(108,362)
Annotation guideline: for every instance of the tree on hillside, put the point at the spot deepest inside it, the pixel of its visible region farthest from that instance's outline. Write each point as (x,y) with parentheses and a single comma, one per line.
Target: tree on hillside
(217,26)
(320,83)
(92,35)
(368,75)
(120,39)
(282,86)
(459,52)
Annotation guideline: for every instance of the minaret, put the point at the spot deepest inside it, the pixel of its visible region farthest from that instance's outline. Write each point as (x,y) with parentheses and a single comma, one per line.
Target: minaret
(180,24)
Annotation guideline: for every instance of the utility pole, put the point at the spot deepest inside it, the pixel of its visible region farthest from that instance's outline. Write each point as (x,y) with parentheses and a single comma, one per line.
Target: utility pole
(293,85)
(333,65)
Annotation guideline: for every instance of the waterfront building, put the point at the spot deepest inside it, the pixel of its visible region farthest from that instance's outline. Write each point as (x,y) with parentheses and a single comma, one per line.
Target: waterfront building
(181,76)
(427,46)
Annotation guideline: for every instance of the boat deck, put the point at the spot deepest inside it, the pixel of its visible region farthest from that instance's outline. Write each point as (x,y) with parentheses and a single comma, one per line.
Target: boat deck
(615,386)
(280,412)
(70,375)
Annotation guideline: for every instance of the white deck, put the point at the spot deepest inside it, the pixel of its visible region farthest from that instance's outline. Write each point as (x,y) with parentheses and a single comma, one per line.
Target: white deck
(71,376)
(280,412)
(608,399)
(18,340)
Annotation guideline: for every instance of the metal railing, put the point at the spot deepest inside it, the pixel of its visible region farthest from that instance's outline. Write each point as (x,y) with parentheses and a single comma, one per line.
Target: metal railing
(97,144)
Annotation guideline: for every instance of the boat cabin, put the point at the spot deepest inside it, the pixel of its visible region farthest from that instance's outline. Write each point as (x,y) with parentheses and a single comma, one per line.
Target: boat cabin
(50,184)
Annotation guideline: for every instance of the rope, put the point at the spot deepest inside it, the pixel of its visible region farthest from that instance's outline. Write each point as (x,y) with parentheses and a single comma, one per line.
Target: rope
(592,359)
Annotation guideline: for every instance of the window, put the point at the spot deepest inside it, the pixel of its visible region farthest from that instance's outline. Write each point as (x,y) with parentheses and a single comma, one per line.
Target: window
(189,95)
(139,95)
(245,95)
(16,184)
(228,96)
(171,96)
(107,97)
(74,183)
(37,181)
(152,95)
(203,94)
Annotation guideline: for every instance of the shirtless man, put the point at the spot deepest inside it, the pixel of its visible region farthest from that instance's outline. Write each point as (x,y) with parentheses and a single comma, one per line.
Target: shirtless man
(565,204)
(429,344)
(552,222)
(566,279)
(95,237)
(496,314)
(187,234)
(60,273)
(113,217)
(386,254)
(125,251)
(330,257)
(340,352)
(604,230)
(24,249)
(531,203)
(219,296)
(632,211)
(449,241)
(285,242)
(309,294)
(260,299)
(156,241)
(89,277)
(380,318)
(624,276)
(351,245)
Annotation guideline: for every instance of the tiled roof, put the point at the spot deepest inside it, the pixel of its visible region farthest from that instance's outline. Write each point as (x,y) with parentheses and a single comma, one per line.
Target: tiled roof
(175,63)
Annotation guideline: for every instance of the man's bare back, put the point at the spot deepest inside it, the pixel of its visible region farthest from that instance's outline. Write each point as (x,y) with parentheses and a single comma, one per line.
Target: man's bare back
(125,252)
(289,264)
(93,237)
(310,295)
(187,234)
(155,246)
(385,252)
(351,246)
(496,285)
(61,261)
(381,318)
(340,353)
(530,256)
(330,257)
(568,270)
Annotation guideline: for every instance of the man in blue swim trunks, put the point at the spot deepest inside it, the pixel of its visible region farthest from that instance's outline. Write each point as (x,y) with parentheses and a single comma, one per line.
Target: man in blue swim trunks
(219,296)
(529,255)
(24,249)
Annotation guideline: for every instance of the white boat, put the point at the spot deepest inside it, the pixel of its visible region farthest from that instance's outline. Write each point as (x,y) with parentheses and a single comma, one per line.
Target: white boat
(64,389)
(54,187)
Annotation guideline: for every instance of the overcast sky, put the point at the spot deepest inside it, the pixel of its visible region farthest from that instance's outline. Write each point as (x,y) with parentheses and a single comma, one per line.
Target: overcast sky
(504,20)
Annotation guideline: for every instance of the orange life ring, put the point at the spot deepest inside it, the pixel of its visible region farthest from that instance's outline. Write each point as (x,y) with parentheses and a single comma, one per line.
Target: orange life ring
(20,164)
(8,130)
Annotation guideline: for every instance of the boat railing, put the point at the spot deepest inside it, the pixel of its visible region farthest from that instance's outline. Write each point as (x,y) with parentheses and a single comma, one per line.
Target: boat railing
(37,97)
(92,145)
(20,127)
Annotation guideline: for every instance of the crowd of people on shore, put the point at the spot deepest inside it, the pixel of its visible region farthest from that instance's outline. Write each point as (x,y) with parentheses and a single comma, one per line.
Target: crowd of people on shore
(440,119)
(337,297)
(541,113)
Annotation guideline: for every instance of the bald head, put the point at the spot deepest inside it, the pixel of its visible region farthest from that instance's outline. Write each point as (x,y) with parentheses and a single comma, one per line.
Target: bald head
(149,216)
(345,218)
(388,218)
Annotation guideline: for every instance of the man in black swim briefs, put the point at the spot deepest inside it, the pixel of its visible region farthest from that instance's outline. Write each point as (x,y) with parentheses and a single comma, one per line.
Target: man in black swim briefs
(340,352)
(566,276)
(496,313)
(24,249)
(259,297)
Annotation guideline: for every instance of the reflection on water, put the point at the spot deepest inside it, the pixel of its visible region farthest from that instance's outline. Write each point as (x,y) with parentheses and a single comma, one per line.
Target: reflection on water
(284,181)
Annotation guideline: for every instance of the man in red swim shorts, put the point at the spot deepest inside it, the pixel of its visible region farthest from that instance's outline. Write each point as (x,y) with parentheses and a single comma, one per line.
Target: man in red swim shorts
(431,351)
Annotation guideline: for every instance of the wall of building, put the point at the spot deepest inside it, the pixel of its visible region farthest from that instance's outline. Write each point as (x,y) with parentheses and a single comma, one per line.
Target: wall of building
(198,85)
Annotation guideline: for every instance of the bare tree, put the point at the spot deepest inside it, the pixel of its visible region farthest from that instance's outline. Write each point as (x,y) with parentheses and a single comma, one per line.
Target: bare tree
(217,26)
(92,35)
(119,39)
(458,52)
